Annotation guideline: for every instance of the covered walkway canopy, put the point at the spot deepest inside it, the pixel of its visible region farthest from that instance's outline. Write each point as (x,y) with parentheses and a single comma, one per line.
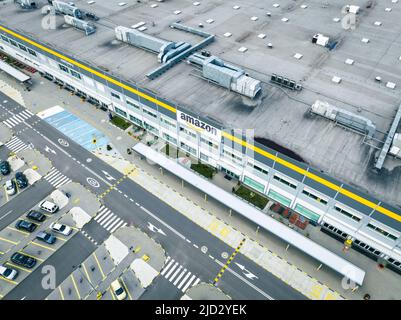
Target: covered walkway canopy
(20,76)
(290,236)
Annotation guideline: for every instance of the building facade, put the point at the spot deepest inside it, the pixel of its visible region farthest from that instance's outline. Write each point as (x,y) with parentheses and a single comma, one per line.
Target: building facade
(342,211)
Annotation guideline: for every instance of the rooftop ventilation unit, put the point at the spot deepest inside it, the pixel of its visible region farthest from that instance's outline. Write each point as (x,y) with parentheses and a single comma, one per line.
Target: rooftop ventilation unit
(26,4)
(320,39)
(165,50)
(226,75)
(66,9)
(79,24)
(344,117)
(285,82)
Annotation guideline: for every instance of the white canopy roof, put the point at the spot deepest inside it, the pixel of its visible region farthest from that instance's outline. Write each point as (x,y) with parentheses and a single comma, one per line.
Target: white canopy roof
(290,236)
(22,77)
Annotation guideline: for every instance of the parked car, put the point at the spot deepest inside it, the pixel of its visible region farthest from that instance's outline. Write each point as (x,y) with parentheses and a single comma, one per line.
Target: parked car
(10,187)
(8,273)
(25,225)
(118,290)
(35,215)
(4,168)
(23,260)
(61,228)
(46,237)
(21,179)
(48,206)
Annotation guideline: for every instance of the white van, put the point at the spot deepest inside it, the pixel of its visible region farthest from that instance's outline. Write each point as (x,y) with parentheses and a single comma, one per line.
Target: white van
(48,206)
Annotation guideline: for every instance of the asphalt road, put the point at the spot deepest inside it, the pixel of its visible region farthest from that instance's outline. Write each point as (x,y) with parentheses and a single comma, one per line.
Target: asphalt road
(182,240)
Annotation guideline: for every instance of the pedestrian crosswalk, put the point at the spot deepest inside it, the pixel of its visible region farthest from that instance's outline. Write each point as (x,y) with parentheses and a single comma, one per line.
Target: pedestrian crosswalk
(18,118)
(109,220)
(16,145)
(178,275)
(56,178)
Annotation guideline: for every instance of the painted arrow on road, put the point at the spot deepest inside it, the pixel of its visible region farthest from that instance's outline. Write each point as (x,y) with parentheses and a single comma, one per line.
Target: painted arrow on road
(108,176)
(155,229)
(246,272)
(47,149)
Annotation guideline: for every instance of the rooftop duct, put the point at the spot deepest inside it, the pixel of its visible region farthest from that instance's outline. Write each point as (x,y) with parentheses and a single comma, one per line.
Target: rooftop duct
(344,117)
(66,9)
(226,75)
(26,4)
(164,49)
(80,24)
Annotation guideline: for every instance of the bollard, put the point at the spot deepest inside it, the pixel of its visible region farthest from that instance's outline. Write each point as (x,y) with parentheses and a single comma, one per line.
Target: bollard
(257,229)
(318,268)
(287,247)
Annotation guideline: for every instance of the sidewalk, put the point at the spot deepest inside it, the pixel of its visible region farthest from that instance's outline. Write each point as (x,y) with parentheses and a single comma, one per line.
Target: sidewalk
(291,266)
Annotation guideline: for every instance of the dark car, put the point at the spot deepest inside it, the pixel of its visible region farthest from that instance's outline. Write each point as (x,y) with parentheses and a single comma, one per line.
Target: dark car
(25,225)
(21,179)
(91,16)
(46,237)
(4,168)
(35,215)
(23,260)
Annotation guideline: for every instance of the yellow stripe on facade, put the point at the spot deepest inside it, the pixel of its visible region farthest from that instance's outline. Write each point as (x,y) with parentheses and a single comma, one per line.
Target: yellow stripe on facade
(264,153)
(90,70)
(314,177)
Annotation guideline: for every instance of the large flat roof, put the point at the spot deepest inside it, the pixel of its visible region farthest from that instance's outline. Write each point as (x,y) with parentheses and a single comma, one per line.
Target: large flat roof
(278,115)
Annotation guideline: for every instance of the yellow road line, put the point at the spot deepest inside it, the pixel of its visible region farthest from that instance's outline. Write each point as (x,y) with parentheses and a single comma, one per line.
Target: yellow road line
(314,177)
(61,292)
(125,287)
(100,268)
(18,267)
(225,134)
(42,246)
(90,70)
(75,286)
(29,255)
(10,241)
(8,280)
(112,294)
(61,239)
(87,274)
(230,259)
(20,231)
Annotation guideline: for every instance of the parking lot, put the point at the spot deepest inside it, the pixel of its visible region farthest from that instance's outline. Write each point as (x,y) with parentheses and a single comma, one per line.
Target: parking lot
(93,277)
(30,163)
(14,240)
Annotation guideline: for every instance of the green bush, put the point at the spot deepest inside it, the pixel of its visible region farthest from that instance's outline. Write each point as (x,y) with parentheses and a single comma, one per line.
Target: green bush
(120,122)
(203,169)
(251,196)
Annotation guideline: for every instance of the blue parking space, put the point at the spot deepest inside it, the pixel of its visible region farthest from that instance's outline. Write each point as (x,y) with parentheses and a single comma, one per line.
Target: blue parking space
(77,130)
